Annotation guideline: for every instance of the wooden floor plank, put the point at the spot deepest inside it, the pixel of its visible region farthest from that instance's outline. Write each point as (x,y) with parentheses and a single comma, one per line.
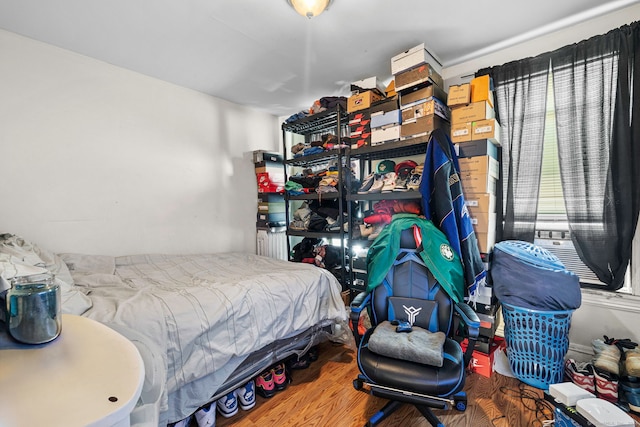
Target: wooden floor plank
(323,395)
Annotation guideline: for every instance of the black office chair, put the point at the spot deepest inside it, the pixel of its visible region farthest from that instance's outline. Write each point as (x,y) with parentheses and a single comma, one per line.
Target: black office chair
(403,381)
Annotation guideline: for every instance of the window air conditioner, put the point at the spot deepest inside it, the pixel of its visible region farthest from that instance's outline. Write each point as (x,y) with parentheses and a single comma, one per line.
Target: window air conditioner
(559,243)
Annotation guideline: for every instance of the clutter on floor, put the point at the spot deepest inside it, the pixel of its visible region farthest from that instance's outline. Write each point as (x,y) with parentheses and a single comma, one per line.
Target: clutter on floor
(267,384)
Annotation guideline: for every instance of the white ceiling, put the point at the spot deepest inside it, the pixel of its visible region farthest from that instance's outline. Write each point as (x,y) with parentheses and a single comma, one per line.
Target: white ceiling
(262,54)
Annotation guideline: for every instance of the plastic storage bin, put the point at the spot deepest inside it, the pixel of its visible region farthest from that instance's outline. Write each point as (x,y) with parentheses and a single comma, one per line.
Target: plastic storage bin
(537,342)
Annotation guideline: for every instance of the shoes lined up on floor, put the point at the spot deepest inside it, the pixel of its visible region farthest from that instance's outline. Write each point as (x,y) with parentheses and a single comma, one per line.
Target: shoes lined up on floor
(274,379)
(613,374)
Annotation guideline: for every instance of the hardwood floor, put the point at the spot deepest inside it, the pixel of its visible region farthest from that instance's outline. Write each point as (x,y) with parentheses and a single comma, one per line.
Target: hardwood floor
(323,395)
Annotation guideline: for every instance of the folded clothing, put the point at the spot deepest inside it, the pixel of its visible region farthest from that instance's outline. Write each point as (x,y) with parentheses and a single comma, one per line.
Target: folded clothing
(419,345)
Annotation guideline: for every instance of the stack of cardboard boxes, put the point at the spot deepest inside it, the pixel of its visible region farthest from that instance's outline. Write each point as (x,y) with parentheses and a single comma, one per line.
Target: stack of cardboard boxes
(422,100)
(270,179)
(364,94)
(415,102)
(475,133)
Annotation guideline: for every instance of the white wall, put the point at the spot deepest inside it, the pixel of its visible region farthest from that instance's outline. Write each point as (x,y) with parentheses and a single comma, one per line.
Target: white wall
(601,313)
(99,159)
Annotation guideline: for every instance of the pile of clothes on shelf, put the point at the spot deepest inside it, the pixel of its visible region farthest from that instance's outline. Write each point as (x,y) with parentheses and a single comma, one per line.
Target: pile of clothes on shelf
(326,143)
(322,181)
(318,216)
(318,106)
(312,251)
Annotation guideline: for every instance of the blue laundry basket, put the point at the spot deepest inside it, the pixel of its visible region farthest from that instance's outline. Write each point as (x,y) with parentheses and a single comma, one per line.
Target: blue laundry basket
(537,342)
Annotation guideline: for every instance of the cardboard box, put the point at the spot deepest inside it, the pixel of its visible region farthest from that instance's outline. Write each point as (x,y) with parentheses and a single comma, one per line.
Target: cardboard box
(483,222)
(370,83)
(422,93)
(359,129)
(361,117)
(460,133)
(384,105)
(421,74)
(472,112)
(459,95)
(426,108)
(482,89)
(486,129)
(423,126)
(478,183)
(270,198)
(486,241)
(269,167)
(363,100)
(390,90)
(381,119)
(385,134)
(482,363)
(266,207)
(271,217)
(480,202)
(480,165)
(361,140)
(415,56)
(481,147)
(265,156)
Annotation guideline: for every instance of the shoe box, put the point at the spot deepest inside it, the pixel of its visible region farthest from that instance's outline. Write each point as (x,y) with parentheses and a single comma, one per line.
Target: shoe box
(472,112)
(421,93)
(423,108)
(360,128)
(385,134)
(486,129)
(423,126)
(481,147)
(460,132)
(423,73)
(479,174)
(413,57)
(369,83)
(382,119)
(489,321)
(261,156)
(482,89)
(271,207)
(363,100)
(384,106)
(459,95)
(482,363)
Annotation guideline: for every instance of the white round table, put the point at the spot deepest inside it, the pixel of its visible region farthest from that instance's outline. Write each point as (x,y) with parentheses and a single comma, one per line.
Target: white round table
(89,376)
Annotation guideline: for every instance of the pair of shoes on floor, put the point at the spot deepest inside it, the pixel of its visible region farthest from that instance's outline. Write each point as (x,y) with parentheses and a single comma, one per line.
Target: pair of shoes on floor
(243,397)
(593,379)
(303,361)
(272,380)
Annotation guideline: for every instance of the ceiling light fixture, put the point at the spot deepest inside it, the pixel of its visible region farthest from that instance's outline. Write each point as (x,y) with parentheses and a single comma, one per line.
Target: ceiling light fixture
(310,8)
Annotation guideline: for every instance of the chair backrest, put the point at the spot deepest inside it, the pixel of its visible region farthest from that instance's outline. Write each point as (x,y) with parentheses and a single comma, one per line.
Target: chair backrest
(410,292)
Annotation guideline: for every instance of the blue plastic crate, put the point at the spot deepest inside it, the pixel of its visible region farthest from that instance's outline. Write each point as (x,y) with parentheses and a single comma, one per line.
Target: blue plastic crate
(537,342)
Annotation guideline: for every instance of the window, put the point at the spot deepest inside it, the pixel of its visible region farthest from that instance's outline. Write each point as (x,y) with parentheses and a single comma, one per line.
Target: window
(552,227)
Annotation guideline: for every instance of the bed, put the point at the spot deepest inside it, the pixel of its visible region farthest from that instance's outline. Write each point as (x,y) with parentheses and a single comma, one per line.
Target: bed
(203,323)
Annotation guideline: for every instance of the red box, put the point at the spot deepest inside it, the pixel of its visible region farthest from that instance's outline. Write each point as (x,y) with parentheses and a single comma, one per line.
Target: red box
(267,183)
(483,363)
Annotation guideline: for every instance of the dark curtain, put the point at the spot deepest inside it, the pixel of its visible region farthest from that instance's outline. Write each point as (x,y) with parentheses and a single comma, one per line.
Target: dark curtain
(520,98)
(598,136)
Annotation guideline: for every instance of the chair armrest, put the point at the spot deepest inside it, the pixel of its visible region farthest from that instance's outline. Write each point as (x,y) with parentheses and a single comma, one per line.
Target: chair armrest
(361,301)
(469,317)
(471,324)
